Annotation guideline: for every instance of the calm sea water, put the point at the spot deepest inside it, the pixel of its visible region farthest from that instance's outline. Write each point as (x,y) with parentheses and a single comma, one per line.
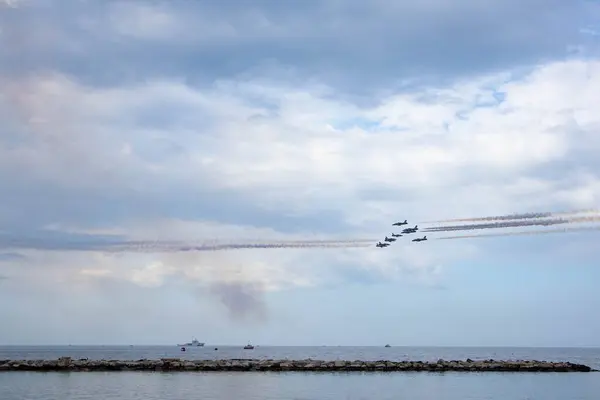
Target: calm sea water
(301,386)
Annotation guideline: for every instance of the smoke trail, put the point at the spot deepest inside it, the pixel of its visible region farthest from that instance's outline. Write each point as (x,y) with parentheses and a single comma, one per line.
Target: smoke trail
(594,218)
(521,233)
(495,225)
(156,247)
(502,217)
(512,224)
(519,216)
(170,246)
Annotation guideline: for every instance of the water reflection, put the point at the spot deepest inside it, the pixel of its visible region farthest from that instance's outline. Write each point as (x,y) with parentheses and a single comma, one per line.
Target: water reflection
(282,386)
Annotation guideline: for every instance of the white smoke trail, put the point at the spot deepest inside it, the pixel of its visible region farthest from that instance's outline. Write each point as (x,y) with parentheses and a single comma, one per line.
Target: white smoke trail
(522,233)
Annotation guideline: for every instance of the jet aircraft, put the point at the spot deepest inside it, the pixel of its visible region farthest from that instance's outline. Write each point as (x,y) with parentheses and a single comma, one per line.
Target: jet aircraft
(400,223)
(411,230)
(387,239)
(379,244)
(420,239)
(395,235)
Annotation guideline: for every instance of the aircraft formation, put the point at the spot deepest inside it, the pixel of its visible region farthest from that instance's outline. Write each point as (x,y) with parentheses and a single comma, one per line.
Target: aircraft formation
(406,231)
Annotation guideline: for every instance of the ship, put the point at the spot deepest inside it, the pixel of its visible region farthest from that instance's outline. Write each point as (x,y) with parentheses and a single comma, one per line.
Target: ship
(193,343)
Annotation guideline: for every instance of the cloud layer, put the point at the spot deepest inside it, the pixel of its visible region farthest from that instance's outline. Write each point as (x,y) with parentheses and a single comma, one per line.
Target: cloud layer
(281,122)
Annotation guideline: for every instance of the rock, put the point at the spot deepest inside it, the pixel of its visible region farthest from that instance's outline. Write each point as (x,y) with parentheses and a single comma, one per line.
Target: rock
(286,365)
(64,362)
(355,366)
(176,364)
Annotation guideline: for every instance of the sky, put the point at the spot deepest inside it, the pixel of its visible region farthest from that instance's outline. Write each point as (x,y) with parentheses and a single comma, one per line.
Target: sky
(196,120)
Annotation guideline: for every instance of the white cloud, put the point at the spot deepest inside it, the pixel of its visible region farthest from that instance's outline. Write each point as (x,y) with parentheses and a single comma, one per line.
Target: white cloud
(151,275)
(198,121)
(290,158)
(296,155)
(11,3)
(143,21)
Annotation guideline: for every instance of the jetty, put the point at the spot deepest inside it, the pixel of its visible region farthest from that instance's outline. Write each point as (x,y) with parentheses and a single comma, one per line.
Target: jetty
(67,364)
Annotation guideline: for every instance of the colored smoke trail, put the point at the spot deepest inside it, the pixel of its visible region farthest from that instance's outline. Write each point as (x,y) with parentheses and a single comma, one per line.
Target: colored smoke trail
(174,246)
(594,218)
(157,247)
(496,225)
(522,233)
(500,217)
(520,216)
(513,224)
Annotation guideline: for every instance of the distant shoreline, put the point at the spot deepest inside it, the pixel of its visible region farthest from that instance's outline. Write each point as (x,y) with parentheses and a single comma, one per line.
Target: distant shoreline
(67,364)
(206,346)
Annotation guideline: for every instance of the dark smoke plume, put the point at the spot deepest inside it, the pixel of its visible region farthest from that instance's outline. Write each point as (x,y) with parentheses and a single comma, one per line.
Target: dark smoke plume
(244,301)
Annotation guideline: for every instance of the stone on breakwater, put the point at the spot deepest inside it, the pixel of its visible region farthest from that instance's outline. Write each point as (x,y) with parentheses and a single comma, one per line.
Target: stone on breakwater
(176,364)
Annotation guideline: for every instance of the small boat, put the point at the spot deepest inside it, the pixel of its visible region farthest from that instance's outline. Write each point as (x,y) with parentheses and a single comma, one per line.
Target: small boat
(194,342)
(248,347)
(387,345)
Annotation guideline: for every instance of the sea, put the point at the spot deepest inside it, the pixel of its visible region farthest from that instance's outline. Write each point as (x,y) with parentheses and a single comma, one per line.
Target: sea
(301,385)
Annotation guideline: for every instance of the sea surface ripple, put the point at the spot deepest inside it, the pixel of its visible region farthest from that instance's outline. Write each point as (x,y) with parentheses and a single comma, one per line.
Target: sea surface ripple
(300,385)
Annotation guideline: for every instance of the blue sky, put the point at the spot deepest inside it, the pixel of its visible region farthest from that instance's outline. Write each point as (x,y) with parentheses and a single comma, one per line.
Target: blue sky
(193,120)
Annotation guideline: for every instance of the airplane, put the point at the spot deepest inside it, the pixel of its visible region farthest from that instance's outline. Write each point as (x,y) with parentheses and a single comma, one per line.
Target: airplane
(395,235)
(379,244)
(411,230)
(387,239)
(420,239)
(400,223)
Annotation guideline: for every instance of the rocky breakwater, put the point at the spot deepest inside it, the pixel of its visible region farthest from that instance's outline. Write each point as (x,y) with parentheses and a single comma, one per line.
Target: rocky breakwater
(175,364)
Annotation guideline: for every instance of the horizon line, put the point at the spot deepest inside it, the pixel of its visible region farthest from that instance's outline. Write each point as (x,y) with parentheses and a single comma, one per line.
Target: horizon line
(206,345)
